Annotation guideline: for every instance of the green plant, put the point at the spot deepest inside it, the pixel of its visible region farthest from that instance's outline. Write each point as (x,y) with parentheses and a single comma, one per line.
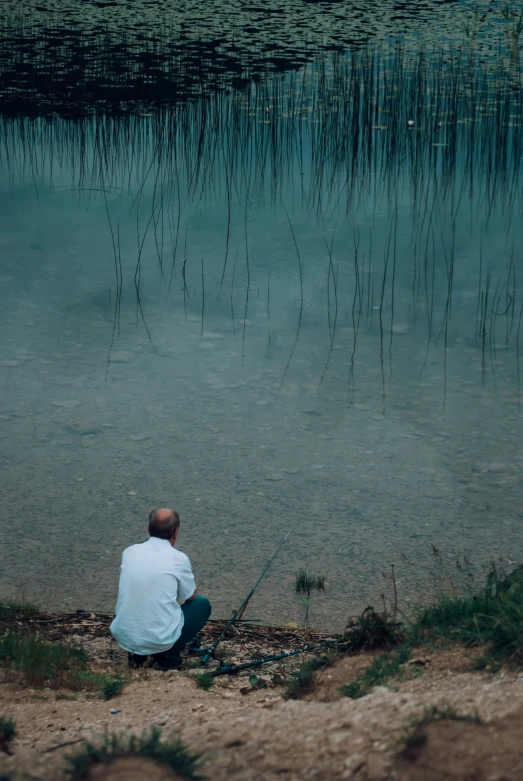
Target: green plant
(305,584)
(111,688)
(204,680)
(493,617)
(382,667)
(10,609)
(108,687)
(301,681)
(370,630)
(256,682)
(7,733)
(148,745)
(39,661)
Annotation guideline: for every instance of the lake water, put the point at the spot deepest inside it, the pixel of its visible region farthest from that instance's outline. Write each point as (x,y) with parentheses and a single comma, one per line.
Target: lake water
(292,301)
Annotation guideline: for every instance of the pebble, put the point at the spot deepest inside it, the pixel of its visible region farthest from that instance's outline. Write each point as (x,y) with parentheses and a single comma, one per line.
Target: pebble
(353,762)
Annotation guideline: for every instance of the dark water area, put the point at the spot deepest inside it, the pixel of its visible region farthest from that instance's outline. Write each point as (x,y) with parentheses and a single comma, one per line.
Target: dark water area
(282,293)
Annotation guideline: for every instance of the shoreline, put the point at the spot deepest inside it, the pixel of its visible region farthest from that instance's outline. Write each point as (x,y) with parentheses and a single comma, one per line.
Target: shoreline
(246,728)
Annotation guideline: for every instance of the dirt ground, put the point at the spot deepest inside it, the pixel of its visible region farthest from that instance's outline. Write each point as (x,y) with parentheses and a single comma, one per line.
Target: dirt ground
(249,734)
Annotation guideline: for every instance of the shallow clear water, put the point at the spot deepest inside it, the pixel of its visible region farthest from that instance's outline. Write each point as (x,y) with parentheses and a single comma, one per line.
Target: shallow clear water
(249,339)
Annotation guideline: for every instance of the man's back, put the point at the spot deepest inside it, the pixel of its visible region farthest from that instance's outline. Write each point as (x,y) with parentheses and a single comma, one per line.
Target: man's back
(154,577)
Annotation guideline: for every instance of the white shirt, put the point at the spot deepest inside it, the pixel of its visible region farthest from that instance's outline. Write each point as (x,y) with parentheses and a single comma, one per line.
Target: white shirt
(154,577)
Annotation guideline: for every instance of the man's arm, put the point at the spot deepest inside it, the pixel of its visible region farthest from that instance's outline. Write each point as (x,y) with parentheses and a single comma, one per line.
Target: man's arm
(186,583)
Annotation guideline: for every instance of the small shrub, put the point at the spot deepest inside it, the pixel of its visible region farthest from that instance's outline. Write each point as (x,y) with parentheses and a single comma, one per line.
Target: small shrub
(204,680)
(382,667)
(111,688)
(7,733)
(302,680)
(371,631)
(148,745)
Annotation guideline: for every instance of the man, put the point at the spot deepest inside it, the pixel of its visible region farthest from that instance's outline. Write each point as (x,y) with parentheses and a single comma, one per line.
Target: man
(154,577)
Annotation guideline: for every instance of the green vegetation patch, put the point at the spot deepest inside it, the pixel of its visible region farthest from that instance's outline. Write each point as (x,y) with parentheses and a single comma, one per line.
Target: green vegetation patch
(37,662)
(7,733)
(10,609)
(148,745)
(383,666)
(494,617)
(372,630)
(108,687)
(204,680)
(302,680)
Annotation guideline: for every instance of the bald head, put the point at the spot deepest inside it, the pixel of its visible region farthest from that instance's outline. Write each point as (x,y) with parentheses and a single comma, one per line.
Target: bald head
(163,523)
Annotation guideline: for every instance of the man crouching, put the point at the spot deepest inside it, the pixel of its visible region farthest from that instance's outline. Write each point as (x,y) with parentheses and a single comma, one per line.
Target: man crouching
(149,622)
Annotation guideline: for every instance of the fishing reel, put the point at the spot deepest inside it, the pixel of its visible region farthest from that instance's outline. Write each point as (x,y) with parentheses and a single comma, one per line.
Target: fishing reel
(196,649)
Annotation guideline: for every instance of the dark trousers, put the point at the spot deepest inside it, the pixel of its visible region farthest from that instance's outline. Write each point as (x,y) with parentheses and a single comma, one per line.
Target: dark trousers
(196,613)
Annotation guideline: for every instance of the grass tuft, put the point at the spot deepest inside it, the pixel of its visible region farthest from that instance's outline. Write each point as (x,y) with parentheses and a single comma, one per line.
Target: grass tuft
(39,662)
(148,745)
(10,609)
(302,681)
(7,733)
(111,688)
(307,582)
(383,666)
(372,630)
(494,618)
(204,680)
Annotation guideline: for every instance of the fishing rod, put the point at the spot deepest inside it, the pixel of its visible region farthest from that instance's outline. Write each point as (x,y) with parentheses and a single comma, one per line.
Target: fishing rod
(232,669)
(209,652)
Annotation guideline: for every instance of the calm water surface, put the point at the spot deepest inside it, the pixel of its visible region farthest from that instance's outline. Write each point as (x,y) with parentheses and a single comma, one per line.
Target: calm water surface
(280,307)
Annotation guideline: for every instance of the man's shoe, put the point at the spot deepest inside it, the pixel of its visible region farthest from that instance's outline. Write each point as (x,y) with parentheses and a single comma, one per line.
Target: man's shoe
(136,661)
(174,663)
